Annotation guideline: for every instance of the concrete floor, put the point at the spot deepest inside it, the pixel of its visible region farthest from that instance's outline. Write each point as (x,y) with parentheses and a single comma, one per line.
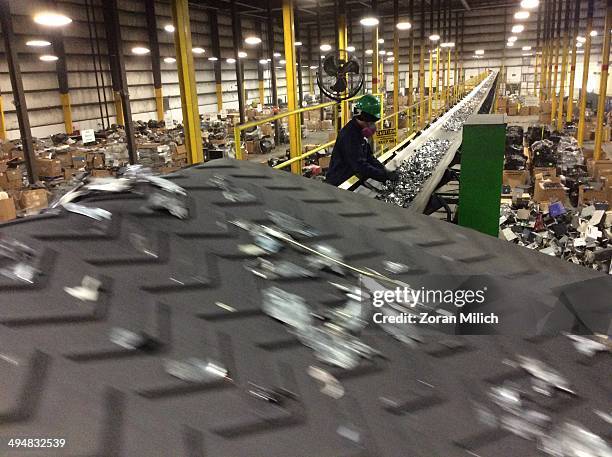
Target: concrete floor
(316,137)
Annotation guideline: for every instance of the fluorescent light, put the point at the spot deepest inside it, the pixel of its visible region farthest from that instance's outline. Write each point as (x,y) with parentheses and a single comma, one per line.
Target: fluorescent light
(38,43)
(263,61)
(518,28)
(48,58)
(325,47)
(521,15)
(169,59)
(298,43)
(369,21)
(213,58)
(510,44)
(512,39)
(268,60)
(140,50)
(390,59)
(277,54)
(449,44)
(51,19)
(252,40)
(580,39)
(313,67)
(579,44)
(230,60)
(169,28)
(369,52)
(526,48)
(593,33)
(479,52)
(381,41)
(404,25)
(434,37)
(198,50)
(350,48)
(580,52)
(282,62)
(242,55)
(382,52)
(530,4)
(527,54)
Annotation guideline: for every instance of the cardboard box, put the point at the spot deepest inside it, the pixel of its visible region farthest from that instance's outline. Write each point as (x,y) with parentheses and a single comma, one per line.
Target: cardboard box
(78,160)
(544,118)
(515,178)
(545,172)
(549,190)
(11,179)
(533,110)
(512,111)
(100,173)
(48,168)
(252,147)
(95,159)
(588,153)
(33,200)
(327,125)
(601,165)
(180,152)
(324,161)
(332,136)
(313,125)
(7,208)
(524,111)
(65,159)
(267,129)
(545,107)
(69,173)
(590,194)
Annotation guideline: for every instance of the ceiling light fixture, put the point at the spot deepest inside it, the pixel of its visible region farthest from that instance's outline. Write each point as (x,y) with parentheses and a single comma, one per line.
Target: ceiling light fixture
(369,52)
(580,39)
(404,25)
(313,67)
(169,28)
(382,52)
(140,50)
(368,21)
(38,43)
(298,43)
(510,44)
(325,47)
(213,58)
(527,54)
(381,41)
(230,60)
(350,48)
(282,62)
(518,28)
(198,50)
(263,61)
(449,44)
(526,48)
(242,55)
(252,40)
(277,54)
(169,59)
(512,38)
(434,37)
(530,4)
(521,15)
(48,58)
(593,33)
(479,52)
(51,19)
(579,44)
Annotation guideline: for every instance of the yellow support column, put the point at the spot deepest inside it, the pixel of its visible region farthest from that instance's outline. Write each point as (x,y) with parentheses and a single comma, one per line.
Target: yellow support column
(585,74)
(566,38)
(118,108)
(448,89)
(65,100)
(295,140)
(342,44)
(422,86)
(603,84)
(430,98)
(396,70)
(2,121)
(187,84)
(159,103)
(570,94)
(219,92)
(438,84)
(375,70)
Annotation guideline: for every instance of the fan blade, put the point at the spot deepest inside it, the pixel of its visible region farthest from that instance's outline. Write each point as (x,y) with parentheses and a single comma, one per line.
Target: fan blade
(340,85)
(349,67)
(330,66)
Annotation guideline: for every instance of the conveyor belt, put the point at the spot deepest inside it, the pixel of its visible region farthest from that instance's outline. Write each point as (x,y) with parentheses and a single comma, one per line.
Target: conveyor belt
(95,373)
(434,130)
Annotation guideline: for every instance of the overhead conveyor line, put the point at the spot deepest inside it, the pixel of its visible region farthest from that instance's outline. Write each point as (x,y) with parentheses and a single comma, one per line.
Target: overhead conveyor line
(405,149)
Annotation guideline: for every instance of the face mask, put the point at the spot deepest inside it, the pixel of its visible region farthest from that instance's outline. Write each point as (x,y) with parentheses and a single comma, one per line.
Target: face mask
(369,131)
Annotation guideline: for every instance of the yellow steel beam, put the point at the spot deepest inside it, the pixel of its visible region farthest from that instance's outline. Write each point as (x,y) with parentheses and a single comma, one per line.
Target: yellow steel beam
(570,93)
(2,121)
(603,84)
(342,44)
(67,110)
(422,86)
(562,87)
(375,70)
(118,108)
(295,140)
(438,85)
(187,84)
(585,79)
(430,97)
(553,89)
(448,79)
(219,92)
(159,103)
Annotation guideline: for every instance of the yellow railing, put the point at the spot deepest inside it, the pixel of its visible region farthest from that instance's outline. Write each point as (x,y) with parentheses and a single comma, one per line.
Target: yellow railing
(241,127)
(392,120)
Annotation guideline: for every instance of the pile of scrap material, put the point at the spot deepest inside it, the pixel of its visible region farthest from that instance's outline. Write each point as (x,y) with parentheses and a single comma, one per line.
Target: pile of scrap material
(583,237)
(558,204)
(414,172)
(61,158)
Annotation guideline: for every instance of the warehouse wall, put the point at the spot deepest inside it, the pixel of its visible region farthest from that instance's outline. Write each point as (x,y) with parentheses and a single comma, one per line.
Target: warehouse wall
(40,78)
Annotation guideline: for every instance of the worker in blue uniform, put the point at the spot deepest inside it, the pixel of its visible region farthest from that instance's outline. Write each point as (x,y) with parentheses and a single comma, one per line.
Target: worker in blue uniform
(352,154)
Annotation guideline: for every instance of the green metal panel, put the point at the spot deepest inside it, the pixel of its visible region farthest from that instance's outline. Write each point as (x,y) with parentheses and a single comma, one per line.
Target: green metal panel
(482,162)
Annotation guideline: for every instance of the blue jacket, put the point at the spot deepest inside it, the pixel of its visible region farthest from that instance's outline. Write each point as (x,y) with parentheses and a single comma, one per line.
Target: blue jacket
(352,155)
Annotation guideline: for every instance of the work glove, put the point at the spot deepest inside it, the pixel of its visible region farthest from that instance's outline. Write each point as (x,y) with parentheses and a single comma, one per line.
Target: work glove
(393,176)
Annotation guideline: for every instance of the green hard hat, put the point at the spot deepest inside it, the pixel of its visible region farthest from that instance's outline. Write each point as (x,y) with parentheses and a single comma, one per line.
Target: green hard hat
(368,104)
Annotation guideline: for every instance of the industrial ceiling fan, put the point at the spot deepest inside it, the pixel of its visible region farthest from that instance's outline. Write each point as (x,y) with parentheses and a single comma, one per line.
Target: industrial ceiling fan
(339,76)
